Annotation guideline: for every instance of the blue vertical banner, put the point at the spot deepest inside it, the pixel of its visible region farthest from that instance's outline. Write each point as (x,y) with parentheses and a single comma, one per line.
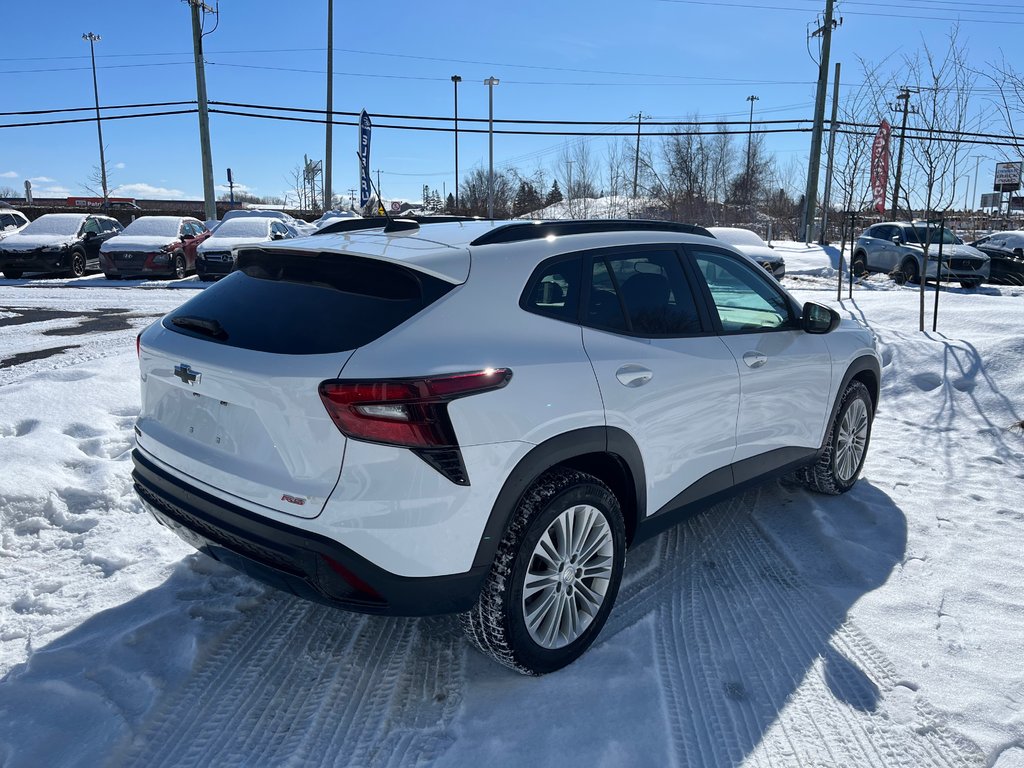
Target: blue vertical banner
(364,158)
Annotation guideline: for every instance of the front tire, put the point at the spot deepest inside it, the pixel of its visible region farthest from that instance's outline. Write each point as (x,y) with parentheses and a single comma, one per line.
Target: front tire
(179,266)
(78,264)
(911,271)
(846,446)
(859,267)
(555,575)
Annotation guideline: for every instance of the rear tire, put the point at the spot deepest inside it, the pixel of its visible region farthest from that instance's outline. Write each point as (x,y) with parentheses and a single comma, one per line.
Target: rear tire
(846,446)
(13,274)
(555,575)
(859,265)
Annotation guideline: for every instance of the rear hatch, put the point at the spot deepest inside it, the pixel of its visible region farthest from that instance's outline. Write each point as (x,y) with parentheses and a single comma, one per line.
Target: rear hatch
(230,379)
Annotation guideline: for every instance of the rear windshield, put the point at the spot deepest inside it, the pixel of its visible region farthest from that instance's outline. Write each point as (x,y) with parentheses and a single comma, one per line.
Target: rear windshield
(154,226)
(292,303)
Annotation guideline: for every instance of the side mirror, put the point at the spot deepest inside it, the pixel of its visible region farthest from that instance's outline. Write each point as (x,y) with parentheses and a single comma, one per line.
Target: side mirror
(276,236)
(817,318)
(89,235)
(897,239)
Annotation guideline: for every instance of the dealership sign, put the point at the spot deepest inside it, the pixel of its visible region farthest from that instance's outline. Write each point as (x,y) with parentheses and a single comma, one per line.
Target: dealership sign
(364,158)
(1007,177)
(880,166)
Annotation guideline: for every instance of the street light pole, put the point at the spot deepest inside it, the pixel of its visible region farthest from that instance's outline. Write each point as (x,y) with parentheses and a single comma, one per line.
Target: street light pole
(93,39)
(455,84)
(490,82)
(329,139)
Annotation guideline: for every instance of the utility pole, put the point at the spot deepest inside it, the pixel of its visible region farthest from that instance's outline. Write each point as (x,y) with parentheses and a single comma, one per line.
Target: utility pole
(93,39)
(210,203)
(814,161)
(750,148)
(833,125)
(636,157)
(904,96)
(328,192)
(380,196)
(455,84)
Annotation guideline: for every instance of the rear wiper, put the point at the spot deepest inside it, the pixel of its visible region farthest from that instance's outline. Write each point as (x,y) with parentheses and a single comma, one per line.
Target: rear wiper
(203,325)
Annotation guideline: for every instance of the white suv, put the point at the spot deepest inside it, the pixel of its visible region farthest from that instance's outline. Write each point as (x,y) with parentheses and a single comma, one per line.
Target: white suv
(482,417)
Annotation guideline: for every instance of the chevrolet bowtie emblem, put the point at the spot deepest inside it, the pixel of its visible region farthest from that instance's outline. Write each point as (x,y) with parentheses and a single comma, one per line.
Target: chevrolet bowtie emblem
(186,374)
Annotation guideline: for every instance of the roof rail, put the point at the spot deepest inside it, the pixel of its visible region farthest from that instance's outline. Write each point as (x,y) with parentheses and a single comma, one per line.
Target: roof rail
(377,222)
(535,230)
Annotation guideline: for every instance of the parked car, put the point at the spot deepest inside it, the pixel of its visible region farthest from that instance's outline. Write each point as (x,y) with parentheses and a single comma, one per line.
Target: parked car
(482,417)
(214,257)
(298,226)
(1006,252)
(57,242)
(750,243)
(897,248)
(154,245)
(11,222)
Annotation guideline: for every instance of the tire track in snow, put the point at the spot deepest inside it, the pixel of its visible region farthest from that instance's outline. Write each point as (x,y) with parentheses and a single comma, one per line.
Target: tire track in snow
(293,683)
(758,667)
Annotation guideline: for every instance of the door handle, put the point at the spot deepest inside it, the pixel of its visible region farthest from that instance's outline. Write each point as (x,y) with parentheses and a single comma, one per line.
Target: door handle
(754,359)
(634,375)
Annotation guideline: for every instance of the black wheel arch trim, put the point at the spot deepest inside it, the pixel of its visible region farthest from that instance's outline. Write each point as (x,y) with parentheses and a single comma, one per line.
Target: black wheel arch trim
(863,364)
(563,450)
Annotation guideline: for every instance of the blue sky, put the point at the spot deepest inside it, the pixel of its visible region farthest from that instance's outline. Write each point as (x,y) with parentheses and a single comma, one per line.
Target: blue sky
(570,60)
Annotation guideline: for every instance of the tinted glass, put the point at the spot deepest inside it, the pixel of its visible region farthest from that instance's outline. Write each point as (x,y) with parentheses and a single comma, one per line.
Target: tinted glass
(554,290)
(603,307)
(305,303)
(919,234)
(745,299)
(92,225)
(6,220)
(654,290)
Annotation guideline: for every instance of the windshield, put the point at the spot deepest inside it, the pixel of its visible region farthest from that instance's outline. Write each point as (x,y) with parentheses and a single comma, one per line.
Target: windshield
(154,226)
(54,224)
(243,228)
(919,234)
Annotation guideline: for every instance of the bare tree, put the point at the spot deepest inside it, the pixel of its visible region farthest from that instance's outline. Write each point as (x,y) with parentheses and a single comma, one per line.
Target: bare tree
(93,183)
(473,193)
(946,85)
(6,193)
(1009,100)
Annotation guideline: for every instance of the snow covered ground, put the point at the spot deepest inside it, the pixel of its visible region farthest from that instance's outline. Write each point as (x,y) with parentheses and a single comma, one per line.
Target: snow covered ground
(881,628)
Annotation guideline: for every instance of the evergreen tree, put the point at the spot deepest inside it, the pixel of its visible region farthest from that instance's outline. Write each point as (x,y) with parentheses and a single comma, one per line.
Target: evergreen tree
(554,196)
(449,204)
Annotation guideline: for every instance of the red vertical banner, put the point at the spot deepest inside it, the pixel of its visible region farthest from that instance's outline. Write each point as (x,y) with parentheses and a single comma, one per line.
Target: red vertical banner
(880,166)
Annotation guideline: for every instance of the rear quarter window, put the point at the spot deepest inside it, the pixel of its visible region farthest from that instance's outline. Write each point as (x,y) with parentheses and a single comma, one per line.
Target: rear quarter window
(302,303)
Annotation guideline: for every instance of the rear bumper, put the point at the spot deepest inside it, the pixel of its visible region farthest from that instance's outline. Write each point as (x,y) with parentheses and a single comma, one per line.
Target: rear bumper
(305,564)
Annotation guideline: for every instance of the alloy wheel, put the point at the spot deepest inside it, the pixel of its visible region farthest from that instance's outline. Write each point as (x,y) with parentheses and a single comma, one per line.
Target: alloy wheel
(851,441)
(568,576)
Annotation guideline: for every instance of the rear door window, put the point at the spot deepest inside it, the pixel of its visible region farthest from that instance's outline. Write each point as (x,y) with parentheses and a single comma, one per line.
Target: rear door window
(554,290)
(305,303)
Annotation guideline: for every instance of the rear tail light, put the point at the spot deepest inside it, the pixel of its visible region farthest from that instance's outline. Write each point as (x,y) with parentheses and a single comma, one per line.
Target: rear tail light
(412,413)
(138,345)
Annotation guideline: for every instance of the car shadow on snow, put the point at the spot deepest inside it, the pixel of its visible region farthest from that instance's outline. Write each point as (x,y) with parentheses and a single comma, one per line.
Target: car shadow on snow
(722,623)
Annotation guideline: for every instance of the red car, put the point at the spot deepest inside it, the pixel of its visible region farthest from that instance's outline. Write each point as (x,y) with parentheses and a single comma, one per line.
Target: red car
(154,246)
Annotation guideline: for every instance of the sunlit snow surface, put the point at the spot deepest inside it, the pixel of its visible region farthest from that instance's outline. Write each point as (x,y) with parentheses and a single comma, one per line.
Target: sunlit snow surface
(881,628)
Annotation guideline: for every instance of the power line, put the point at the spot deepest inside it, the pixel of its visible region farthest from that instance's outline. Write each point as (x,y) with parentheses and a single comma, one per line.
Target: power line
(723,4)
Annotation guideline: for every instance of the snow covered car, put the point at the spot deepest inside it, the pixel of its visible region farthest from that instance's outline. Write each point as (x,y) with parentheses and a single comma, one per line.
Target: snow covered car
(214,257)
(1006,252)
(154,246)
(57,242)
(750,243)
(298,226)
(482,417)
(11,222)
(897,249)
